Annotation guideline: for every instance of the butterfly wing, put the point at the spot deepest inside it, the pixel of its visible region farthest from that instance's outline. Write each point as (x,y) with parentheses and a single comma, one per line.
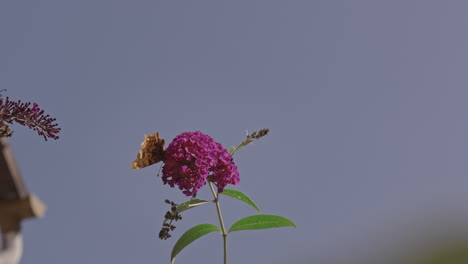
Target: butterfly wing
(152,151)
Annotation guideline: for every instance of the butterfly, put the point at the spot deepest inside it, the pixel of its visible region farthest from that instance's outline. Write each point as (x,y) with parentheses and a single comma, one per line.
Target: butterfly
(152,151)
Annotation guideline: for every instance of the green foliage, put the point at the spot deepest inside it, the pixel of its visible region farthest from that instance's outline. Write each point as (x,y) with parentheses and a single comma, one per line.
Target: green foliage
(191,204)
(191,235)
(240,196)
(231,150)
(256,222)
(454,254)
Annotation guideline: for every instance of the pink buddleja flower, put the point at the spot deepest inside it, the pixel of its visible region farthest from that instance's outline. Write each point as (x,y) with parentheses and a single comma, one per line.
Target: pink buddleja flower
(26,115)
(192,158)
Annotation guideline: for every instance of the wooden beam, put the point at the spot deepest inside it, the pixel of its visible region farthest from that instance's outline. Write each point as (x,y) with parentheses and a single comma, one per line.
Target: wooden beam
(14,211)
(12,186)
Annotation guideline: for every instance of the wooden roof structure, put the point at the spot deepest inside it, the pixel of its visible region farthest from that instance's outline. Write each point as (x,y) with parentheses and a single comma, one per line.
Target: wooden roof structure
(12,186)
(16,203)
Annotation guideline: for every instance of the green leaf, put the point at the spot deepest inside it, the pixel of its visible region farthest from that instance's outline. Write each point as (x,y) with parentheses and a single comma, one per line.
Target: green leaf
(231,150)
(191,235)
(191,204)
(261,222)
(240,196)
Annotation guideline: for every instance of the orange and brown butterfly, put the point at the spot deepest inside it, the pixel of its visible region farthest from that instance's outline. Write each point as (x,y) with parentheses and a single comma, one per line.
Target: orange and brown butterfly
(152,151)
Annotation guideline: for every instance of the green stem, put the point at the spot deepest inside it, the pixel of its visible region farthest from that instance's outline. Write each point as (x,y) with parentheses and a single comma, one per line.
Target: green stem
(221,222)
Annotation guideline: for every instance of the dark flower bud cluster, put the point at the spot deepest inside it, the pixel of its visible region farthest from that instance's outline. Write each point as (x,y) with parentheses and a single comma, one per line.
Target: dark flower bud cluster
(26,115)
(170,216)
(250,138)
(258,134)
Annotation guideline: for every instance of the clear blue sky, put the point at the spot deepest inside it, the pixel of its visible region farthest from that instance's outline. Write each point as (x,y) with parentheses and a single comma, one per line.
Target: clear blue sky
(365,101)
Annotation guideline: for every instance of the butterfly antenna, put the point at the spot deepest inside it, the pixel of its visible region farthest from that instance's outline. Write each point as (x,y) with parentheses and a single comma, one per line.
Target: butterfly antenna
(159,171)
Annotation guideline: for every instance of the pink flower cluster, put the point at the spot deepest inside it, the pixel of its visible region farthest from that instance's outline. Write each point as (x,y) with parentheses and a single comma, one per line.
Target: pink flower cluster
(192,158)
(23,114)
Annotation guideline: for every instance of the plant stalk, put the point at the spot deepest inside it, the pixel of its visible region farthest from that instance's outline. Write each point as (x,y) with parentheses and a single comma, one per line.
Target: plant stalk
(221,222)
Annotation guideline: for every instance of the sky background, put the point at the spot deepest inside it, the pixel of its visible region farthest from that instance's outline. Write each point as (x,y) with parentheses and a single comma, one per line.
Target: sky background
(365,101)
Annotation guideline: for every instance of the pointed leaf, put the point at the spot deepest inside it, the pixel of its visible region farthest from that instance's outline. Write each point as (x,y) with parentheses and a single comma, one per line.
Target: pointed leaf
(191,204)
(240,196)
(261,222)
(191,235)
